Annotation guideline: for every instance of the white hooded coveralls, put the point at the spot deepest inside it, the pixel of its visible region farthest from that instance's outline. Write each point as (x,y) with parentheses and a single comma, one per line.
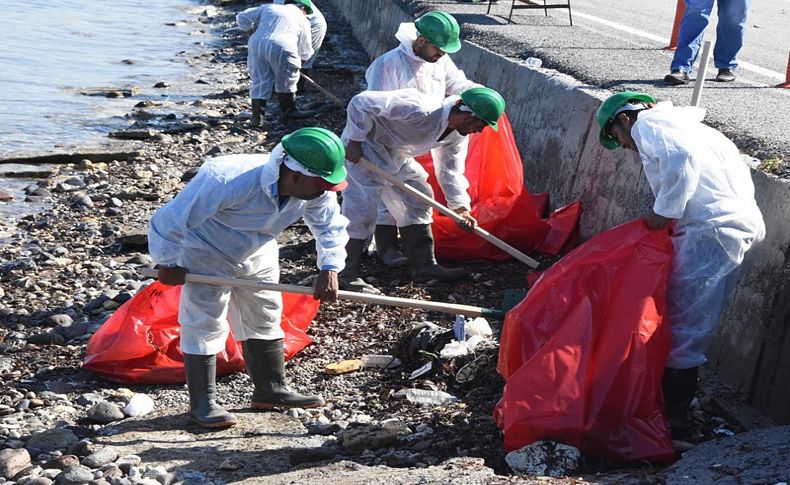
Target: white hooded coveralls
(394,127)
(401,68)
(317,31)
(224,223)
(698,177)
(275,52)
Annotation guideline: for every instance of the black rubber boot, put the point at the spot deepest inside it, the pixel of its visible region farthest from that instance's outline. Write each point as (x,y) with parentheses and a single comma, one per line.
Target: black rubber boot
(258,106)
(265,361)
(387,247)
(679,387)
(287,104)
(349,278)
(418,244)
(201,373)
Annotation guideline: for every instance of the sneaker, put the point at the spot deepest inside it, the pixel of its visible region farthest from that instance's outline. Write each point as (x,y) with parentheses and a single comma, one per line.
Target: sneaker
(676,78)
(725,76)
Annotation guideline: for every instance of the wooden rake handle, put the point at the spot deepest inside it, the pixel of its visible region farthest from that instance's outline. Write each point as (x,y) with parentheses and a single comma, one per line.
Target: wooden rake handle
(436,306)
(320,88)
(449,213)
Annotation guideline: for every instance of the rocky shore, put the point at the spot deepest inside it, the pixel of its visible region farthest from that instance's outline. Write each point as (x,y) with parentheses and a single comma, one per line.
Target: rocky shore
(65,269)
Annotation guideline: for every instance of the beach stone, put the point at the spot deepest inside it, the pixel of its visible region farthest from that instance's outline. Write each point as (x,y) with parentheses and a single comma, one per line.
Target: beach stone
(72,330)
(40,192)
(62,462)
(51,440)
(101,457)
(369,437)
(544,458)
(39,481)
(127,462)
(76,475)
(81,201)
(46,338)
(6,196)
(58,320)
(111,472)
(105,412)
(90,398)
(396,426)
(50,473)
(13,462)
(158,473)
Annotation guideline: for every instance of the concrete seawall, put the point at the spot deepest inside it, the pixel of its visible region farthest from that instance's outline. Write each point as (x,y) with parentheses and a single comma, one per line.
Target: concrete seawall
(553,118)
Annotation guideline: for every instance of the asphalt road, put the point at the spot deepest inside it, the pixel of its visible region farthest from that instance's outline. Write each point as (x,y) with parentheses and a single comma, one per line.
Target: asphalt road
(620,45)
(766,46)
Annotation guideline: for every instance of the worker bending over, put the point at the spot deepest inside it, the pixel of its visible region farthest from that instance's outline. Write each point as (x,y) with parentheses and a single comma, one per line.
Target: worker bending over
(702,185)
(419,62)
(225,223)
(389,128)
(280,43)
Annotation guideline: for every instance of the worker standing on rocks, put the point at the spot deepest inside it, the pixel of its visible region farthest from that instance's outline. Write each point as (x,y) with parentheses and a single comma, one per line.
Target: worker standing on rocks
(280,43)
(389,128)
(702,185)
(317,33)
(224,223)
(419,62)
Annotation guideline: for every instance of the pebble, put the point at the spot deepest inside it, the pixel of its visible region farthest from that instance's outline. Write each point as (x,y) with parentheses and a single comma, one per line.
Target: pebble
(367,437)
(13,462)
(46,338)
(58,320)
(62,462)
(100,458)
(544,458)
(51,440)
(76,475)
(38,481)
(90,398)
(105,412)
(128,461)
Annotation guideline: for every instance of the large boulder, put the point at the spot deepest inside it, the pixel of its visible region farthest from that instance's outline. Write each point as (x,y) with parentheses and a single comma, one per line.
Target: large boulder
(13,461)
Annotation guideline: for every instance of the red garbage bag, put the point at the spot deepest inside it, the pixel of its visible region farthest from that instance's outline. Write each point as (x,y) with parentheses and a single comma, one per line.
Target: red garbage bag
(139,343)
(583,354)
(500,203)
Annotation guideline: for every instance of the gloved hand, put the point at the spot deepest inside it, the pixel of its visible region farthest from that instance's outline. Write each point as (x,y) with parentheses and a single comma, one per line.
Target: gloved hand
(172,276)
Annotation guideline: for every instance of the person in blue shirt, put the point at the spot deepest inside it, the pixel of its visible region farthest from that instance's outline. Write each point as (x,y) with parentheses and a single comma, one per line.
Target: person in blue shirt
(224,223)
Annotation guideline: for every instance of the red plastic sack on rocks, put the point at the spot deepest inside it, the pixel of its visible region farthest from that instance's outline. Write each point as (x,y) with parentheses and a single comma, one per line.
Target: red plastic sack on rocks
(139,343)
(500,203)
(583,354)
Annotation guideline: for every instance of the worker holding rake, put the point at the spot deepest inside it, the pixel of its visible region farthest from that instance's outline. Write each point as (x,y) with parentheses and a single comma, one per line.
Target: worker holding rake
(224,223)
(703,187)
(389,128)
(420,62)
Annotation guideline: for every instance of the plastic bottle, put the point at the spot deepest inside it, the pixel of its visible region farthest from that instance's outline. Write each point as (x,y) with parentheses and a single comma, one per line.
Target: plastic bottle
(533,62)
(380,361)
(424,396)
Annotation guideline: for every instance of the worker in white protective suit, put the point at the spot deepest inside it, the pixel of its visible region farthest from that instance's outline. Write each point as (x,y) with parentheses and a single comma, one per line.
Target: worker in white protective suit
(702,185)
(389,128)
(317,33)
(281,42)
(419,62)
(224,223)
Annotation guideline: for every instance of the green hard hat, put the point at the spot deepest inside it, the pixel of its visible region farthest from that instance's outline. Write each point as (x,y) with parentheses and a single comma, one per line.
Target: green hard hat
(441,30)
(319,151)
(308,5)
(486,104)
(609,107)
